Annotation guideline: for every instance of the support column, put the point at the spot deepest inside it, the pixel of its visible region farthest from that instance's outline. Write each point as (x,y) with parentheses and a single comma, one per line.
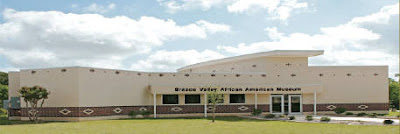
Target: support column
(255,100)
(205,105)
(315,103)
(155,105)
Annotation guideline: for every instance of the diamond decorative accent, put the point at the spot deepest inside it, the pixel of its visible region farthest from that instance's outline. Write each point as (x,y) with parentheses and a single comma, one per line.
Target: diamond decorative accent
(362,106)
(331,107)
(65,111)
(88,111)
(243,108)
(33,111)
(210,108)
(117,110)
(176,109)
(143,109)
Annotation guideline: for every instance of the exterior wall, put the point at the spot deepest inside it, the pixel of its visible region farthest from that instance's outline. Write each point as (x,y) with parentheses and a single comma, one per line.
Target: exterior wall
(63,86)
(265,64)
(92,92)
(13,84)
(365,85)
(105,87)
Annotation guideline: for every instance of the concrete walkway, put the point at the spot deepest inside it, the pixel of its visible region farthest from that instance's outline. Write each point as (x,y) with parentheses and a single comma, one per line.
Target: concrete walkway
(334,119)
(364,119)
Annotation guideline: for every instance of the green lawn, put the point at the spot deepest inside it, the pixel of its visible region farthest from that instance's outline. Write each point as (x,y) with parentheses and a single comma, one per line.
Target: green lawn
(393,114)
(228,125)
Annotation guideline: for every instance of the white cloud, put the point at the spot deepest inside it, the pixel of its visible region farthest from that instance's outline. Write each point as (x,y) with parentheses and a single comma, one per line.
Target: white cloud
(357,42)
(381,17)
(179,5)
(171,60)
(96,8)
(277,9)
(30,39)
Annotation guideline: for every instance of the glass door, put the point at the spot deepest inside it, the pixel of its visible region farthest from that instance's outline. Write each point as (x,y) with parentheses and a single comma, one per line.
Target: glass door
(277,104)
(295,106)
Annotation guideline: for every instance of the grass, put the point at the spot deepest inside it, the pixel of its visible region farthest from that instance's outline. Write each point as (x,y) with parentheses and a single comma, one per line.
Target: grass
(393,114)
(228,125)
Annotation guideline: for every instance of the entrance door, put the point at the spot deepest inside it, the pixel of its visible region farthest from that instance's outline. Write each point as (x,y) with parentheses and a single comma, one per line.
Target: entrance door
(277,104)
(295,106)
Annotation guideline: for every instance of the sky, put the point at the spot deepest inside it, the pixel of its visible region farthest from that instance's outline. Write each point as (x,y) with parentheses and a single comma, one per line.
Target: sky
(164,35)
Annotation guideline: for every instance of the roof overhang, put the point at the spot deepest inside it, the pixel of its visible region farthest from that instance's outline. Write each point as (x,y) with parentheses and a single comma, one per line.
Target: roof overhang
(275,53)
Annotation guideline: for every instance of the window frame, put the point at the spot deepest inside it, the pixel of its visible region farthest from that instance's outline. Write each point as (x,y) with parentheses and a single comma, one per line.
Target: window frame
(193,103)
(162,99)
(244,99)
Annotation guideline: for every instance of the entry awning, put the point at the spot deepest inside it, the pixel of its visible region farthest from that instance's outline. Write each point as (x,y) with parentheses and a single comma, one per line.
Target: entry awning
(240,89)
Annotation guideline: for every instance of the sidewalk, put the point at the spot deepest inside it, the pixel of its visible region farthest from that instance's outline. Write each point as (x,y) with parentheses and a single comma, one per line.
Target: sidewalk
(364,119)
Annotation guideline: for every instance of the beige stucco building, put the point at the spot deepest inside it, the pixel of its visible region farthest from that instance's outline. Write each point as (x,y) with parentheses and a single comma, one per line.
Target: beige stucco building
(278,82)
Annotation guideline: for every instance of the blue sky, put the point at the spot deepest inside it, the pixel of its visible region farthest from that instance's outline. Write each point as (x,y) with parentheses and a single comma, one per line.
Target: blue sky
(163,35)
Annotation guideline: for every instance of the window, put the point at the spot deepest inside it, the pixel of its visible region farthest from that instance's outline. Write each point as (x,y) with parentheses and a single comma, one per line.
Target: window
(236,98)
(192,99)
(170,99)
(220,98)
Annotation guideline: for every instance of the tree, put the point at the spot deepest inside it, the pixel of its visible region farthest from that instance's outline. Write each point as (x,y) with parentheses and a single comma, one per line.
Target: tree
(214,97)
(3,78)
(32,96)
(393,93)
(3,94)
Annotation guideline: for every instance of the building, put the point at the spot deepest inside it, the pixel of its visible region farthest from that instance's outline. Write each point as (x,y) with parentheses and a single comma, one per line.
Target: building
(278,82)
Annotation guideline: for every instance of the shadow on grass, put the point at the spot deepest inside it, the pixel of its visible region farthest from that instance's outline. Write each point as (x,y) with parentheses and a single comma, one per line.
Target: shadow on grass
(5,121)
(218,118)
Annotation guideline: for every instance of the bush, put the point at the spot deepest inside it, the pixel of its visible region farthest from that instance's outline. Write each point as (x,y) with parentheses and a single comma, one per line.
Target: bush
(373,115)
(362,114)
(256,112)
(387,122)
(309,118)
(145,113)
(340,110)
(292,117)
(133,114)
(349,113)
(325,119)
(270,116)
(380,114)
(282,116)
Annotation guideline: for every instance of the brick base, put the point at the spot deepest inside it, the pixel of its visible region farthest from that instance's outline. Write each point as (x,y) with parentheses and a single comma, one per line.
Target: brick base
(348,107)
(181,109)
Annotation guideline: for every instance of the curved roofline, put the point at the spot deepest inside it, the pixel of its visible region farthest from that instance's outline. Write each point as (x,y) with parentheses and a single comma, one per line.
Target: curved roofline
(275,53)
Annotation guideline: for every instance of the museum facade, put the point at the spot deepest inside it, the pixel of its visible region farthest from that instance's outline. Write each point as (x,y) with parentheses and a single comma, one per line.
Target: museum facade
(277,82)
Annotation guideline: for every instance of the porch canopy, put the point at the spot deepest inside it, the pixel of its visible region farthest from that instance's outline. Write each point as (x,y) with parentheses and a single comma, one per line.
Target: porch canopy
(236,89)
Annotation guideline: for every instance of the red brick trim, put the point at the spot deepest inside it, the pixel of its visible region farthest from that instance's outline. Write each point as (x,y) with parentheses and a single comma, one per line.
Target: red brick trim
(348,107)
(180,109)
(14,112)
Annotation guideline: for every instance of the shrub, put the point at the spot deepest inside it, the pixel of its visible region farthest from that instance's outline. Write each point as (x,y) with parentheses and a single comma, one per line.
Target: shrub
(145,113)
(362,114)
(340,110)
(373,115)
(256,112)
(282,116)
(386,122)
(325,119)
(380,114)
(292,117)
(133,114)
(309,118)
(349,113)
(270,116)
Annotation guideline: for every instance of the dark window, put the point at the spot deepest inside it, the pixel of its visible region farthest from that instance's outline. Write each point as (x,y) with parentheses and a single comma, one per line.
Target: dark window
(236,98)
(192,99)
(170,99)
(220,98)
